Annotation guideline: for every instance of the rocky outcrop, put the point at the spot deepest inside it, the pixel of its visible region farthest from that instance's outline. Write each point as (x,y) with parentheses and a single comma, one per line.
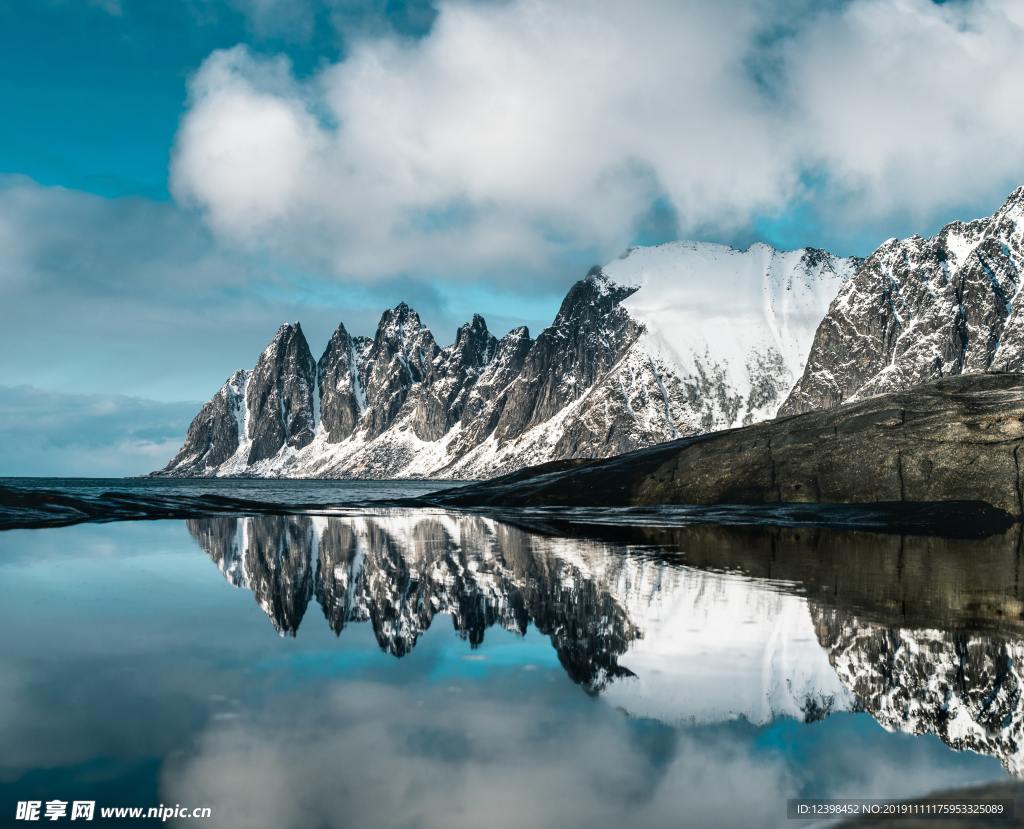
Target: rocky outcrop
(591,330)
(256,415)
(214,435)
(402,356)
(341,379)
(955,439)
(919,309)
(279,396)
(487,397)
(634,357)
(438,405)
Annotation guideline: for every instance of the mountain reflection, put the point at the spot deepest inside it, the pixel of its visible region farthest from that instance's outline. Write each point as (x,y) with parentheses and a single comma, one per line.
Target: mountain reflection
(965,688)
(698,624)
(398,572)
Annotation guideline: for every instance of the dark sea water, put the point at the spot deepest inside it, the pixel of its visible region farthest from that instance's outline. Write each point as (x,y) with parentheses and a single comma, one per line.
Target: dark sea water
(423,668)
(252,489)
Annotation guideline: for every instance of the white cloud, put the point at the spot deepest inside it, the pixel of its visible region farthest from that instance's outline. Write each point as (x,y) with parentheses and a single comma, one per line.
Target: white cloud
(911,106)
(515,132)
(510,133)
(470,763)
(250,139)
(133,296)
(415,754)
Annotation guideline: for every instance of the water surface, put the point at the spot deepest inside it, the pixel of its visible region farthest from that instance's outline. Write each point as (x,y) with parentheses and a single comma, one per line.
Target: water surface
(421,668)
(269,490)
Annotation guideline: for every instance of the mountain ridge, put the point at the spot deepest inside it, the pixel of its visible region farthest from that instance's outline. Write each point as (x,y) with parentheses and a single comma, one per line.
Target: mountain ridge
(668,341)
(605,377)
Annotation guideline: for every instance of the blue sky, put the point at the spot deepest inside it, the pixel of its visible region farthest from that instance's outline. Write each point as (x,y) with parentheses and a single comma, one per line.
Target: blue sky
(178,178)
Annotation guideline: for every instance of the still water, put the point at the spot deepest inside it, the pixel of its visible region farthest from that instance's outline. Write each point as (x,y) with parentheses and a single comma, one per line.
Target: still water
(418,668)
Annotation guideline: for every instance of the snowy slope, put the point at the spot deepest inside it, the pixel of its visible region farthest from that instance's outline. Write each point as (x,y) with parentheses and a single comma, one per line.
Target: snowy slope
(737,322)
(715,646)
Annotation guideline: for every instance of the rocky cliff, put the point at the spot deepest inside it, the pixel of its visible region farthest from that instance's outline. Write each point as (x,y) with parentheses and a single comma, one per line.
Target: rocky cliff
(919,309)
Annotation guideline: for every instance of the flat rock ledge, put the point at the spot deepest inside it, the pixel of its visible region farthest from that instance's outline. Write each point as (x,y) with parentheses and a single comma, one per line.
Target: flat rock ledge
(955,439)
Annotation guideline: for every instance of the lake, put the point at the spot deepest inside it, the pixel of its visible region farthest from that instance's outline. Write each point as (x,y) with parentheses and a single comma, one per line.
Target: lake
(422,668)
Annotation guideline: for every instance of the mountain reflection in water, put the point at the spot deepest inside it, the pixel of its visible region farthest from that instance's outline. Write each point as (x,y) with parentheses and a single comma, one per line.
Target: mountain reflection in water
(924,634)
(399,572)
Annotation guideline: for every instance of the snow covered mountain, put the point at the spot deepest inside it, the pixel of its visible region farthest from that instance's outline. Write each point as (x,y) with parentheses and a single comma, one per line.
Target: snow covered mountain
(665,342)
(738,334)
(920,309)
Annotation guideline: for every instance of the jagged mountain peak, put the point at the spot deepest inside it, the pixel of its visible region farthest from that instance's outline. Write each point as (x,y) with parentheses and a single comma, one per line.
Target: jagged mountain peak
(957,239)
(401,331)
(341,375)
(818,258)
(517,334)
(597,278)
(289,335)
(474,345)
(288,329)
(279,396)
(1009,218)
(476,327)
(402,312)
(236,381)
(1014,201)
(340,333)
(597,293)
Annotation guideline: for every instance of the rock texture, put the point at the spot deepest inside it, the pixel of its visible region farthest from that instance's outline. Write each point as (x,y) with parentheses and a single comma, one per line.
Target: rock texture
(257,414)
(955,439)
(640,352)
(919,309)
(341,375)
